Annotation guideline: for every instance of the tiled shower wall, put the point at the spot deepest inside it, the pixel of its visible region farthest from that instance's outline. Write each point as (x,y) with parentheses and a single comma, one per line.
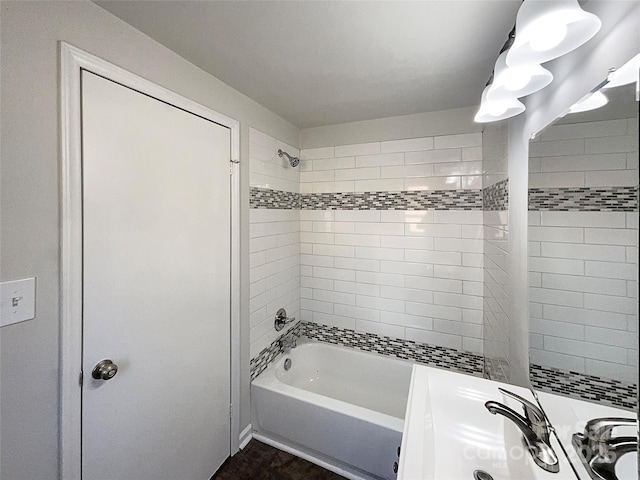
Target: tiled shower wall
(274,242)
(496,251)
(583,254)
(391,239)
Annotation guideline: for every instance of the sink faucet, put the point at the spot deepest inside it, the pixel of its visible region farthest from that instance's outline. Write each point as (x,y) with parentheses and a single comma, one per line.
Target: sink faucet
(598,451)
(534,428)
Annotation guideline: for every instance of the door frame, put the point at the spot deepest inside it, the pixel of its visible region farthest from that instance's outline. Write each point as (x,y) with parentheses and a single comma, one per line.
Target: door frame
(72,62)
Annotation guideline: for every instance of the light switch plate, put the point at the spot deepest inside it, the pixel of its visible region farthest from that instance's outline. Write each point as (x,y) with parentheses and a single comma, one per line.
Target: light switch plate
(18,301)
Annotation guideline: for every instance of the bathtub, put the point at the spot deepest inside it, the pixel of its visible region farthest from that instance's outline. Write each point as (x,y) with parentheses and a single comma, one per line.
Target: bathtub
(338,407)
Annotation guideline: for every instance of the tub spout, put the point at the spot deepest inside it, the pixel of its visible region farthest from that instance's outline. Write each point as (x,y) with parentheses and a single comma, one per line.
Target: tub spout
(287,343)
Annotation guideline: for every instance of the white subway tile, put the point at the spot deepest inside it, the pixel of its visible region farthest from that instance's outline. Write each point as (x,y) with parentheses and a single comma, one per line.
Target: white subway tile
(472,231)
(555,180)
(434,284)
(632,220)
(306,270)
(557,265)
(472,288)
(626,373)
(473,345)
(556,297)
(583,252)
(457,168)
(609,303)
(604,128)
(407,216)
(334,164)
(361,264)
(582,163)
(433,230)
(404,171)
(380,253)
(317,176)
(631,255)
(406,268)
(623,271)
(313,153)
(556,234)
(384,185)
(376,278)
(557,329)
(257,259)
(408,145)
(380,303)
(357,216)
(333,227)
(437,258)
(458,216)
(382,160)
(357,240)
(334,273)
(607,336)
(358,312)
(458,273)
(432,183)
(316,260)
(619,178)
(357,149)
(380,228)
(434,338)
(557,360)
(534,218)
(580,348)
(405,320)
(610,236)
(416,243)
(471,316)
(471,154)
(473,182)
(333,250)
(312,282)
(314,237)
(460,140)
(306,187)
(305,165)
(307,226)
(458,245)
(334,297)
(357,288)
(368,173)
(472,260)
(306,293)
(316,306)
(392,331)
(409,294)
(557,148)
(585,316)
(575,283)
(333,187)
(433,156)
(457,300)
(457,328)
(583,219)
(623,143)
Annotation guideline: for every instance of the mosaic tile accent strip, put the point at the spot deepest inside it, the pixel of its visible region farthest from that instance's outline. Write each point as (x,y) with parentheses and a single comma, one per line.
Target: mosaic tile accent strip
(587,387)
(273,199)
(442,357)
(496,369)
(261,361)
(405,200)
(496,196)
(584,199)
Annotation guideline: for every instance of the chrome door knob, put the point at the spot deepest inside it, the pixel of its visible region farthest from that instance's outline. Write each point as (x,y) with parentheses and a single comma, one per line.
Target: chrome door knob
(104,370)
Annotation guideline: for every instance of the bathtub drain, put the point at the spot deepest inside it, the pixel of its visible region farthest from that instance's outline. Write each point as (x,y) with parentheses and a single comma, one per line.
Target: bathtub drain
(287,364)
(481,475)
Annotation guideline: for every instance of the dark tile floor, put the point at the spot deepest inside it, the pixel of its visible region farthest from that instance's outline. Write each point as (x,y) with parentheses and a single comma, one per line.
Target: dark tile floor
(261,462)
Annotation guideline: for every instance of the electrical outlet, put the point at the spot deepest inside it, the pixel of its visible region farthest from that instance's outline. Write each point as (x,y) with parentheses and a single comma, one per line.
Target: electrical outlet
(17,301)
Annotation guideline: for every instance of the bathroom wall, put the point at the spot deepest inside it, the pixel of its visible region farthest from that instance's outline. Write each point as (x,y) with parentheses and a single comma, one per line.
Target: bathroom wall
(30,194)
(391,235)
(583,232)
(496,252)
(275,239)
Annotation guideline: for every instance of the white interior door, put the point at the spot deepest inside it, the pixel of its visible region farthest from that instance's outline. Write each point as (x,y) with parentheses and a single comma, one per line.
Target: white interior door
(156,287)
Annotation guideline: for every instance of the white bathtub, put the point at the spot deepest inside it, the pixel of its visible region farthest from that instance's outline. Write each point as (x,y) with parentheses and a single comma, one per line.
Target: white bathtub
(337,407)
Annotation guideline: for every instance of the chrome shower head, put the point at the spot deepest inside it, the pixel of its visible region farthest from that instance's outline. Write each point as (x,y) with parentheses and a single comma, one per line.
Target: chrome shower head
(293,161)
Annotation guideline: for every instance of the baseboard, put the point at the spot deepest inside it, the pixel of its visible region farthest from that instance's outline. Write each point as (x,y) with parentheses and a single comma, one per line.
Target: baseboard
(310,458)
(245,437)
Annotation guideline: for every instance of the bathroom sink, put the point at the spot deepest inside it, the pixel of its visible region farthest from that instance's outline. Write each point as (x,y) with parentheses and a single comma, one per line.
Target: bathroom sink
(569,416)
(449,434)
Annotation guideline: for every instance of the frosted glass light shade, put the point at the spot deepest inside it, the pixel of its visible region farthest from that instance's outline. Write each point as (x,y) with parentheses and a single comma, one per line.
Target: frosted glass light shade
(518,81)
(590,101)
(548,29)
(626,74)
(492,110)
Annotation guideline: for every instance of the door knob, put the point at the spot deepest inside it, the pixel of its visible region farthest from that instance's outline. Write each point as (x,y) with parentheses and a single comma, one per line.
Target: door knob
(104,370)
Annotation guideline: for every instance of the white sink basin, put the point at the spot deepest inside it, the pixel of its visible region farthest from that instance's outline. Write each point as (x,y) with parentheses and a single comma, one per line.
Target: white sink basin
(449,433)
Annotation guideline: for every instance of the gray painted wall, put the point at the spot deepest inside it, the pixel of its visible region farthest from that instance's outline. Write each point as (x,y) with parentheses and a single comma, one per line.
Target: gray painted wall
(30,206)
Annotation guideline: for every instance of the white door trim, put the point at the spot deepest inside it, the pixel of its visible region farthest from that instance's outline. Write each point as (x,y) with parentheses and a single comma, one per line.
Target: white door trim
(72,61)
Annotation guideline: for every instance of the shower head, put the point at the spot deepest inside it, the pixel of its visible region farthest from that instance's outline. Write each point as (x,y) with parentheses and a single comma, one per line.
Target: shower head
(293,161)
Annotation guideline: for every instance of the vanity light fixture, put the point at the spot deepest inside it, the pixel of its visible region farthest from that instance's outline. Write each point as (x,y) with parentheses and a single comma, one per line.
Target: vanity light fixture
(494,109)
(590,101)
(517,81)
(549,29)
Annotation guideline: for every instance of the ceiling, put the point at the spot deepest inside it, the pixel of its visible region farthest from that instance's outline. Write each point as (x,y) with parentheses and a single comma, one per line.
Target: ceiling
(328,62)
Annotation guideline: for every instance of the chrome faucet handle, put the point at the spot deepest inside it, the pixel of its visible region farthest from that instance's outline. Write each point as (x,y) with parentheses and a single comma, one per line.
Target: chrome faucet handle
(599,429)
(281,319)
(533,413)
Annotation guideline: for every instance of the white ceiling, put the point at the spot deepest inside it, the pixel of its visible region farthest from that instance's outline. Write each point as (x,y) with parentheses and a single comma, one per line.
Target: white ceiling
(328,62)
